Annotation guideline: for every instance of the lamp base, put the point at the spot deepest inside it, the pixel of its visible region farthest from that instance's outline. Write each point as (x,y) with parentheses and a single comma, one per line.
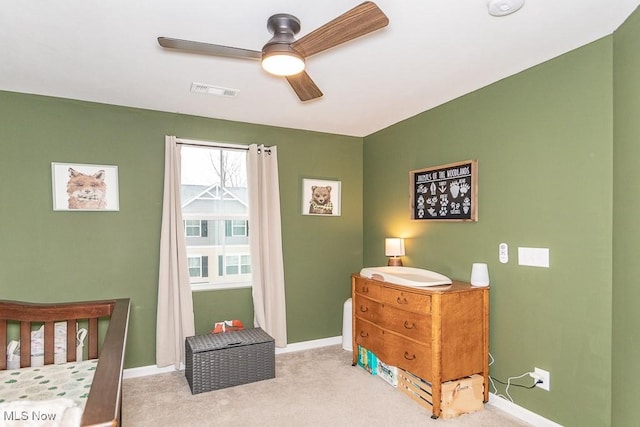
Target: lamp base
(397,262)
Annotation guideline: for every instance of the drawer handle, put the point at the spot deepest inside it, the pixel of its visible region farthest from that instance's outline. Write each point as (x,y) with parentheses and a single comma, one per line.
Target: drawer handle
(365,290)
(364,334)
(409,356)
(408,325)
(364,309)
(402,301)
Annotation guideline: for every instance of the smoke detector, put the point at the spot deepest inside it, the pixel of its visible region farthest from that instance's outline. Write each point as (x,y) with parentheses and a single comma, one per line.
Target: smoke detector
(503,7)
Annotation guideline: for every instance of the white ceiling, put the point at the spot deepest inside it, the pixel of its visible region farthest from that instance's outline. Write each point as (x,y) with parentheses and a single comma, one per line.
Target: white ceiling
(431,52)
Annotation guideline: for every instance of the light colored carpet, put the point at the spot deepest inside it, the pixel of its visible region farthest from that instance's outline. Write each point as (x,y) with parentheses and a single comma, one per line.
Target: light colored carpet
(312,388)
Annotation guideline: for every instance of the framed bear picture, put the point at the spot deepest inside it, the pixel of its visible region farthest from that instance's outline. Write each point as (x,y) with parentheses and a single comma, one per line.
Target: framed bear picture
(320,197)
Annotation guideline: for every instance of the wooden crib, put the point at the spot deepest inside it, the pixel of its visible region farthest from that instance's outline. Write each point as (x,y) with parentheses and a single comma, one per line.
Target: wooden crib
(103,405)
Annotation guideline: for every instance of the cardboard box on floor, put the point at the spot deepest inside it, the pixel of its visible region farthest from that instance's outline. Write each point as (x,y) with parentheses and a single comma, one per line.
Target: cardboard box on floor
(458,397)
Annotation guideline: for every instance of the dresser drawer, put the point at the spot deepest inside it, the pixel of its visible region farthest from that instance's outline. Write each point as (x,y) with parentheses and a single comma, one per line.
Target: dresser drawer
(405,300)
(371,338)
(413,325)
(394,349)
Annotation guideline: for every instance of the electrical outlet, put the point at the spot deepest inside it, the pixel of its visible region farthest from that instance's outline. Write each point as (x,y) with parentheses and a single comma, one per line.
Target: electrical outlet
(544,376)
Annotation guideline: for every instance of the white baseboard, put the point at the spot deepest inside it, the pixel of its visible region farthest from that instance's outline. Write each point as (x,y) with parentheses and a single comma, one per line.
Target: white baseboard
(500,403)
(309,345)
(143,371)
(520,412)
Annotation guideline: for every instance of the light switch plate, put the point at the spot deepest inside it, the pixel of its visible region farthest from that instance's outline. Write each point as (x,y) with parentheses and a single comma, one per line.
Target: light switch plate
(533,257)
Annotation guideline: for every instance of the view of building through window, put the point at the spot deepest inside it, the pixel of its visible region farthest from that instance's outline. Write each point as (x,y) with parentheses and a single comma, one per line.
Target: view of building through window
(216,217)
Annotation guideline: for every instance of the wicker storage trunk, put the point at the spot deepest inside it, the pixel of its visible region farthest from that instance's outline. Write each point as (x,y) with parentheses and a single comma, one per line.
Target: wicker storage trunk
(216,361)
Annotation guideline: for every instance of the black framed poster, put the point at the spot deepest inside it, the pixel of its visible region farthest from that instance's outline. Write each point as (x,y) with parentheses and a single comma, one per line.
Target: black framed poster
(446,192)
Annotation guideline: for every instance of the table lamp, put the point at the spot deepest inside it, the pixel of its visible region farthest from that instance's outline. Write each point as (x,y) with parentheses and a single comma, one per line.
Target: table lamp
(394,248)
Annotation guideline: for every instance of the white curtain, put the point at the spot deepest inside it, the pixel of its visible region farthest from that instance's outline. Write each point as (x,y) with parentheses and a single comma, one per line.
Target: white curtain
(175,319)
(265,240)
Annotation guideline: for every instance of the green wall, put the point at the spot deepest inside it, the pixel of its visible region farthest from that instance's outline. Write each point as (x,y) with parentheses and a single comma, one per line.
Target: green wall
(546,140)
(58,256)
(543,141)
(626,235)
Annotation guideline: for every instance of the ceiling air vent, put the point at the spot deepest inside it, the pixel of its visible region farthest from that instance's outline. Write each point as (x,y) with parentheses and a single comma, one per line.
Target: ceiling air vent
(214,90)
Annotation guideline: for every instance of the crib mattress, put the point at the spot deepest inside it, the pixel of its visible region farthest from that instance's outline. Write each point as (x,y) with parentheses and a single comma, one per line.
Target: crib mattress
(69,380)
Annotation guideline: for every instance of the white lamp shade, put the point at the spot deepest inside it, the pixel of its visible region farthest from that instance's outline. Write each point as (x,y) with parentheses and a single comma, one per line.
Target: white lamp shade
(479,274)
(394,246)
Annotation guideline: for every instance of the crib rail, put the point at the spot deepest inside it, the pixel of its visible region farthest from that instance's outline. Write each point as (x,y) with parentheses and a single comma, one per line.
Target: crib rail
(104,404)
(28,314)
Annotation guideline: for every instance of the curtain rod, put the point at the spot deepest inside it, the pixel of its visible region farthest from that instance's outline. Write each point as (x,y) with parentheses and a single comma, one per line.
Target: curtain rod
(216,145)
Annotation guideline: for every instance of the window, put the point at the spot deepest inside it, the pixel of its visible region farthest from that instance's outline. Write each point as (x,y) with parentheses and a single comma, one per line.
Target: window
(230,265)
(193,228)
(198,266)
(216,216)
(235,228)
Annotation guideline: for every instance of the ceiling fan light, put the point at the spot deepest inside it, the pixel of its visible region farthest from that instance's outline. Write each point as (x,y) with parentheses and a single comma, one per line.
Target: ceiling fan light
(283,63)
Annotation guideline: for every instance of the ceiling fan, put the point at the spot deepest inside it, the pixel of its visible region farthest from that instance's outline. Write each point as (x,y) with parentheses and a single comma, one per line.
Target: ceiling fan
(283,55)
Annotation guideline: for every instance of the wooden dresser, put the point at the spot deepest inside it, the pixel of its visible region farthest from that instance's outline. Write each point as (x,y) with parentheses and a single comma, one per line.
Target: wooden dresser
(437,333)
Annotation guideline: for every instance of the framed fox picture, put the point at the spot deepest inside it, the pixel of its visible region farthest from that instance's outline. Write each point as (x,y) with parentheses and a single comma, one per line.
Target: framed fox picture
(83,187)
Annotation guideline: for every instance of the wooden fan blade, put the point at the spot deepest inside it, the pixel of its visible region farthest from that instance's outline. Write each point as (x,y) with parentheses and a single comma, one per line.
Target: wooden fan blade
(303,86)
(209,49)
(362,19)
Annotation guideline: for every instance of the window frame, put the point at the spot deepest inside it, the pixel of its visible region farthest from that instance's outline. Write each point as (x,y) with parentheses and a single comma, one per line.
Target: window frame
(212,274)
